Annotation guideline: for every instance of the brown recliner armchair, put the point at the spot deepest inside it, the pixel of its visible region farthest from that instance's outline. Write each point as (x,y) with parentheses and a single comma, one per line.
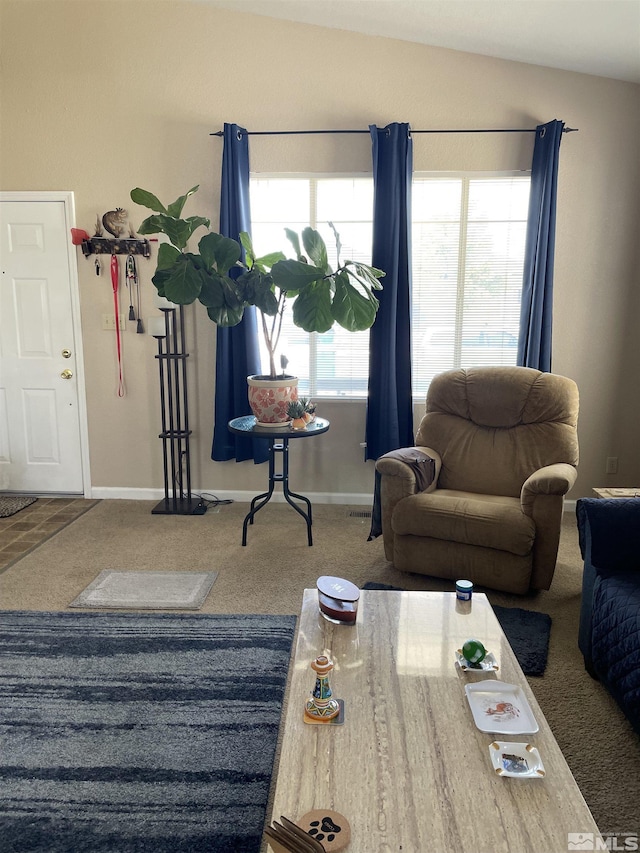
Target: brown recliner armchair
(505,446)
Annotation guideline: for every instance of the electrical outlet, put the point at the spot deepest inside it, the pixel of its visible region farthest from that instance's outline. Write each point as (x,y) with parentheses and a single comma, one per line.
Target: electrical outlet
(612,465)
(109,322)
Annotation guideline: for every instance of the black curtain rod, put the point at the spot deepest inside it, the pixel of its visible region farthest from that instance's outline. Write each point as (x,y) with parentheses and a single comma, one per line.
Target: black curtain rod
(303,132)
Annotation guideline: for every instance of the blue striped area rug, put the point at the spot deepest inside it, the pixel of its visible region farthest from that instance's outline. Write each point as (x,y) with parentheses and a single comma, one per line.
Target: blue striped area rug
(138,732)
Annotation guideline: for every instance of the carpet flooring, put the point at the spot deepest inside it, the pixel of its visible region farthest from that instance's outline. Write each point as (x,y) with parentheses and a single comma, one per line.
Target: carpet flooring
(269,574)
(136,732)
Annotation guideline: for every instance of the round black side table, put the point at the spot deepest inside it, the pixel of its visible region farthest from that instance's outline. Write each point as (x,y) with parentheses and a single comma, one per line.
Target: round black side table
(278,438)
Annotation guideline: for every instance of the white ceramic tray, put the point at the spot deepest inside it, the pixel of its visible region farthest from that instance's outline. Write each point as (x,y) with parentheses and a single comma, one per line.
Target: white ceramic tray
(500,708)
(488,664)
(516,759)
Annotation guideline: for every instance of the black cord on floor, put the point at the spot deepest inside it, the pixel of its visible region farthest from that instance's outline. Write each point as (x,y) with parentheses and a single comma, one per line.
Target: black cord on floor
(205,499)
(212,500)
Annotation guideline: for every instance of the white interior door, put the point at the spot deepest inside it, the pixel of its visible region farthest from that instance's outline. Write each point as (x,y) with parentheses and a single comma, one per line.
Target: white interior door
(40,436)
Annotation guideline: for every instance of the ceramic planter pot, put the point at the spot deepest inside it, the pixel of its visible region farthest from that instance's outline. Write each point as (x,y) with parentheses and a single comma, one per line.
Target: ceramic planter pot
(269,398)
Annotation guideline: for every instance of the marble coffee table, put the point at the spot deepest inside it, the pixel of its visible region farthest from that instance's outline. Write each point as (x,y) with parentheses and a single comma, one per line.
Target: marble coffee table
(409,768)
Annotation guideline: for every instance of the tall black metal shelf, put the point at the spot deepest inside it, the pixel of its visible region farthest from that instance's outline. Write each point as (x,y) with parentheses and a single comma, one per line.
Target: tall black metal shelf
(175,435)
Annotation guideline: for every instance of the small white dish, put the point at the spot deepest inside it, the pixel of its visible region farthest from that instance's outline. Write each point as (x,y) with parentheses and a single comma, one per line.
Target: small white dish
(500,708)
(487,664)
(516,759)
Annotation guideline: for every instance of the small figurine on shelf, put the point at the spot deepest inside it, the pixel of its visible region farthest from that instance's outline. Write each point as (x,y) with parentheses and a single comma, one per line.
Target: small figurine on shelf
(322,707)
(116,221)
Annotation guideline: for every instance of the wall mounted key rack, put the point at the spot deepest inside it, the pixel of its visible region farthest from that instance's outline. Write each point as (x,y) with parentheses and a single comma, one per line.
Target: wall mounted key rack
(116,246)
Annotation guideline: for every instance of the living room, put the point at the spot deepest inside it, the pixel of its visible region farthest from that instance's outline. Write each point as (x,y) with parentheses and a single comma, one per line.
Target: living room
(102,97)
(63,62)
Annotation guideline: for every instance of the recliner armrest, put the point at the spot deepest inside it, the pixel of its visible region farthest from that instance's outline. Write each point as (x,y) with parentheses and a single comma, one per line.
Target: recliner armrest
(551,480)
(541,499)
(397,481)
(392,465)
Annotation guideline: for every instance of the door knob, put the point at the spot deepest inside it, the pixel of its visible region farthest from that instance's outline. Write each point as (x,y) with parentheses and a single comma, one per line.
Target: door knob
(66,353)
(66,374)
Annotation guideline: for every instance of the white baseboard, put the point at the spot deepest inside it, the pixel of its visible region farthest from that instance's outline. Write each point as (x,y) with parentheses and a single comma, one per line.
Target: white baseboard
(349,498)
(115,493)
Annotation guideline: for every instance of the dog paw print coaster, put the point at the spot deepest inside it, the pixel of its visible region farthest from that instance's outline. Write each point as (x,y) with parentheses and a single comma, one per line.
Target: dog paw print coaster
(330,828)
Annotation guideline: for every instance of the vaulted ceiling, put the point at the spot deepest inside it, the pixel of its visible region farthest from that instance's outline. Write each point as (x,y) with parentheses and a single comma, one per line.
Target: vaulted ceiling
(599,37)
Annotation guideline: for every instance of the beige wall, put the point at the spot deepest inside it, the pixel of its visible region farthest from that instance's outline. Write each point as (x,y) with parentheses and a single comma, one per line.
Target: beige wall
(104,96)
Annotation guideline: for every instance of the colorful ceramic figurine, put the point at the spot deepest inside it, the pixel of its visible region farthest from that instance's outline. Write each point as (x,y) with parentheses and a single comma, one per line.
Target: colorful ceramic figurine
(322,707)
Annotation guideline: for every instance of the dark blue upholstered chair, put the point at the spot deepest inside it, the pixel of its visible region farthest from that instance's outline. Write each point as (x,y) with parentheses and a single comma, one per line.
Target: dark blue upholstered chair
(609,636)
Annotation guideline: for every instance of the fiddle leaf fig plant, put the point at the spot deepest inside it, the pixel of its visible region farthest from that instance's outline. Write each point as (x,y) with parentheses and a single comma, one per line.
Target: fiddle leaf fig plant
(225,283)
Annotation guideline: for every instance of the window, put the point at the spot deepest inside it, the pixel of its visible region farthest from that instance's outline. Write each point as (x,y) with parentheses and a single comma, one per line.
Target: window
(336,363)
(468,254)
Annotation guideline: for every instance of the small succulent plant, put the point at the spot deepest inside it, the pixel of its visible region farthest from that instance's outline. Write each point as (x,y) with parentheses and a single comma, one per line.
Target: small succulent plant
(296,409)
(308,409)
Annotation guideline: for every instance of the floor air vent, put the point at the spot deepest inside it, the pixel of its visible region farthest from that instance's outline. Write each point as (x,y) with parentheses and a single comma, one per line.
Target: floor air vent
(360,513)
